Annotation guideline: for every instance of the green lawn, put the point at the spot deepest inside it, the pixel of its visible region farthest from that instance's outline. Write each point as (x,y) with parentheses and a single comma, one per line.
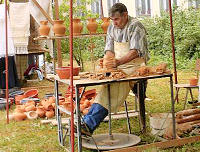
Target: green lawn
(30,135)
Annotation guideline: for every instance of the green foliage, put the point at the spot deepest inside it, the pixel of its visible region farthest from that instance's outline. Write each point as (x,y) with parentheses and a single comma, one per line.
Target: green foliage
(80,45)
(186,33)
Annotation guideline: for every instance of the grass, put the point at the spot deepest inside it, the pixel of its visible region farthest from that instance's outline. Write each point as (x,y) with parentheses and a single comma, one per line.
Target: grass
(31,135)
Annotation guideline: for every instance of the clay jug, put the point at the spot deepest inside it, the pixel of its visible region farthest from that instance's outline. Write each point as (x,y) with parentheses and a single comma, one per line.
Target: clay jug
(49,114)
(19,116)
(44,28)
(77,26)
(105,24)
(59,28)
(92,25)
(41,112)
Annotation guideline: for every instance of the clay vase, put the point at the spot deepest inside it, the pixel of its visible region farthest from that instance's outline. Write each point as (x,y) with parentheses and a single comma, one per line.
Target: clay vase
(92,25)
(49,114)
(105,24)
(19,116)
(44,28)
(193,81)
(41,112)
(30,108)
(77,26)
(59,28)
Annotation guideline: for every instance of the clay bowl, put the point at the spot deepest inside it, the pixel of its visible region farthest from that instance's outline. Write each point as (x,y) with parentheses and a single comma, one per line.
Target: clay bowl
(64,72)
(193,81)
(33,93)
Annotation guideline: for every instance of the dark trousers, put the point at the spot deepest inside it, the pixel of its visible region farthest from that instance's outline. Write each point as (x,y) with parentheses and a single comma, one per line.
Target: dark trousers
(97,113)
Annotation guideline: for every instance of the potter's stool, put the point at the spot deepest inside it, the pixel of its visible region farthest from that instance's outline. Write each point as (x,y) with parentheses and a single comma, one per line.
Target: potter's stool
(188,88)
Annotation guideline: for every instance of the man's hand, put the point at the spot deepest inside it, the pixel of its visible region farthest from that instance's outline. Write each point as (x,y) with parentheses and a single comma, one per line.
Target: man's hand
(109,62)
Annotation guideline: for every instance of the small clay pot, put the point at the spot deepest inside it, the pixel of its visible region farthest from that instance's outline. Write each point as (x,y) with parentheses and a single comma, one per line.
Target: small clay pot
(48,106)
(77,26)
(32,115)
(59,28)
(52,99)
(193,81)
(30,108)
(44,28)
(105,24)
(41,112)
(49,114)
(19,116)
(92,26)
(18,98)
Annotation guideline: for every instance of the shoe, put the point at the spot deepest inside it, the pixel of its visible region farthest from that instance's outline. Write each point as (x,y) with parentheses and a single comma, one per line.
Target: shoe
(85,131)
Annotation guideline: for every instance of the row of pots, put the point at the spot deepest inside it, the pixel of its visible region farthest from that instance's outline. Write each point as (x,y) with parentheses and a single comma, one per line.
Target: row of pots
(59,28)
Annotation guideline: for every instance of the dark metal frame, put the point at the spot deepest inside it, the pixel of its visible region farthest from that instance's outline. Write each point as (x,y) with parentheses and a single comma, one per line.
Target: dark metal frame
(140,81)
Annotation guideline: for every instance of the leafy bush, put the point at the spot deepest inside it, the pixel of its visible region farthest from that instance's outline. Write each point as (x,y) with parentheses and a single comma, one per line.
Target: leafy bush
(187,37)
(81,52)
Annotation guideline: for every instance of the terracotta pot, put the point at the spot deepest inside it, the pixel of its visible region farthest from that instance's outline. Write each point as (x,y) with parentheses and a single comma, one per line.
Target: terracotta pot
(32,115)
(59,28)
(44,28)
(77,26)
(19,110)
(105,24)
(19,116)
(64,72)
(30,108)
(49,114)
(41,112)
(92,25)
(33,93)
(52,99)
(48,106)
(193,81)
(18,98)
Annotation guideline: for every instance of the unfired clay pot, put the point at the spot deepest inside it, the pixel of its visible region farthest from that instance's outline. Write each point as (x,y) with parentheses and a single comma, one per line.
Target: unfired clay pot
(32,115)
(49,114)
(193,81)
(77,26)
(105,24)
(41,112)
(19,116)
(92,25)
(59,28)
(44,28)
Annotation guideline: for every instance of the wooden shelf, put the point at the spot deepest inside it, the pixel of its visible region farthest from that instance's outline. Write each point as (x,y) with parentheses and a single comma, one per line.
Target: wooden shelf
(67,36)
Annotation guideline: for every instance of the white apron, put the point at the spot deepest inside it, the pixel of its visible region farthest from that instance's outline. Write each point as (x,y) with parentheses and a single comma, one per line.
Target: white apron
(119,90)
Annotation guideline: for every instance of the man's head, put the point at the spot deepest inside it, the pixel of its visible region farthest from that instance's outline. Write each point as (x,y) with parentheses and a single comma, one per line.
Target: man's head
(119,15)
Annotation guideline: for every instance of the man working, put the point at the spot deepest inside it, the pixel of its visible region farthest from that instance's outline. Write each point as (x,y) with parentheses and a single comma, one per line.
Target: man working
(126,43)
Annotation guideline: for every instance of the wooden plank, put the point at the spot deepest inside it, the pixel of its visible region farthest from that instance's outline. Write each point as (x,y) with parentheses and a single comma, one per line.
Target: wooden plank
(43,11)
(165,144)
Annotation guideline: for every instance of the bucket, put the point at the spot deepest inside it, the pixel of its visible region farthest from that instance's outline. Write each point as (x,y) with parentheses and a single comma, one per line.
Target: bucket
(159,122)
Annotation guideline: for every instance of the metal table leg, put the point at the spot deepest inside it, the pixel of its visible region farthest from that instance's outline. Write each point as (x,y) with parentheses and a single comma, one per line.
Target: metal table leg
(109,112)
(186,97)
(127,116)
(172,107)
(58,116)
(78,117)
(141,99)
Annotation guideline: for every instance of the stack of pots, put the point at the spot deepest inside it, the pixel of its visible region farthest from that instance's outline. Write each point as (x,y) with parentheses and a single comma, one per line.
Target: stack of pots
(59,28)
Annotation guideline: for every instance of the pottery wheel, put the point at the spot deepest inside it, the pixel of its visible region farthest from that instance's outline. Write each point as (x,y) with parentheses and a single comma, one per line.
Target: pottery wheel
(104,142)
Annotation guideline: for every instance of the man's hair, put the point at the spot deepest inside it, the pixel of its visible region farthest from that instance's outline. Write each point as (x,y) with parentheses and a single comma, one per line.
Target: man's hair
(117,7)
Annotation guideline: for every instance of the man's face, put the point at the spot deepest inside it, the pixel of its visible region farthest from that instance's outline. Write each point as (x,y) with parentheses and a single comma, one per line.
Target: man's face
(119,20)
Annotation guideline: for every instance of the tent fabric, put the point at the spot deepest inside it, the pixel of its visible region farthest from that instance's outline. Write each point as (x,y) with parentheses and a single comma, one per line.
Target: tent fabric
(12,73)
(38,16)
(20,26)
(11,50)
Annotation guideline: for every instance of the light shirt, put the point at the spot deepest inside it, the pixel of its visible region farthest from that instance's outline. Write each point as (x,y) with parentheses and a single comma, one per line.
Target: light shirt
(133,32)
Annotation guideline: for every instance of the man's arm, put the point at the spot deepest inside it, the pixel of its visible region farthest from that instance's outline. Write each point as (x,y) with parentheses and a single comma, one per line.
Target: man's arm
(132,54)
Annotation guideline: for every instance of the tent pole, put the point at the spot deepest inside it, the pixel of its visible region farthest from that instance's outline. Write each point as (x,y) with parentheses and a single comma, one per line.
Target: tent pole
(172,41)
(71,74)
(6,61)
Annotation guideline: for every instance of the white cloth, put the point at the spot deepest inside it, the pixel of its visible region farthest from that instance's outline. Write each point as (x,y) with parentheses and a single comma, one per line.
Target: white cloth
(11,50)
(20,26)
(38,16)
(119,90)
